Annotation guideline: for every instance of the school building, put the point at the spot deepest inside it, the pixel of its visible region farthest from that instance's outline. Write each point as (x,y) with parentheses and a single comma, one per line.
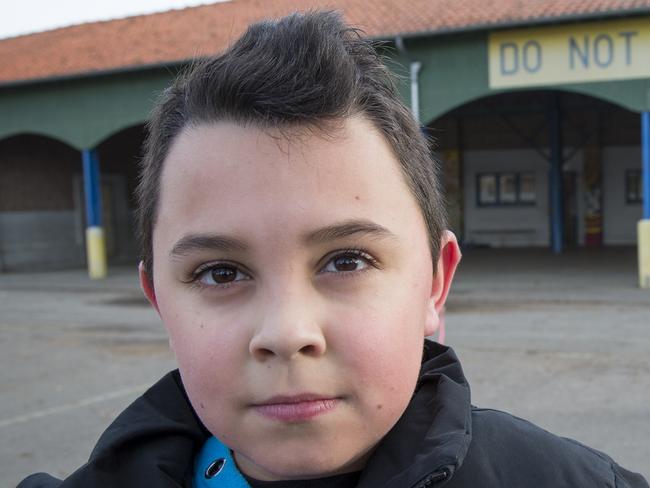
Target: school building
(540,110)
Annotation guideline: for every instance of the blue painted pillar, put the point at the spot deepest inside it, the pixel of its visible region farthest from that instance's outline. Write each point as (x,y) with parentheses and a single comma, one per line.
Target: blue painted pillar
(643,228)
(645,174)
(95,241)
(556,199)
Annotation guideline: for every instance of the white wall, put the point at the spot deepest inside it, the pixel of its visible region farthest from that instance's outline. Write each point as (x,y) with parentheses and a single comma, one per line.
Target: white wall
(518,225)
(619,217)
(506,226)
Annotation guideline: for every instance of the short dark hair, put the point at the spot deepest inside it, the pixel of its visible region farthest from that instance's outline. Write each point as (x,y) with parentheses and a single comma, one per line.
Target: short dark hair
(303,70)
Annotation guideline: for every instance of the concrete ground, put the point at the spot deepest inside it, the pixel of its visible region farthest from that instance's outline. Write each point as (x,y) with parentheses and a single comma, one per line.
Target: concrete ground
(561,340)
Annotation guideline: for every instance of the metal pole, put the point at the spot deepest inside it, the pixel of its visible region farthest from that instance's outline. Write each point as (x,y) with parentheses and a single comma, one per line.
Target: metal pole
(95,242)
(643,227)
(2,262)
(555,175)
(645,173)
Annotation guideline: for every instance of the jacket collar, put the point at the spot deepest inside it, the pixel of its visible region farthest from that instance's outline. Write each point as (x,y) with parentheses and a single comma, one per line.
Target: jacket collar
(151,443)
(433,435)
(158,436)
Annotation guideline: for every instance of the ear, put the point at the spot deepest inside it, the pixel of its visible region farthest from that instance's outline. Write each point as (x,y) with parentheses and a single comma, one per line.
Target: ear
(147,287)
(444,274)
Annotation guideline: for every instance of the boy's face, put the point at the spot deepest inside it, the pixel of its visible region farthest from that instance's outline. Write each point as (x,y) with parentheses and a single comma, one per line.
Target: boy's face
(295,280)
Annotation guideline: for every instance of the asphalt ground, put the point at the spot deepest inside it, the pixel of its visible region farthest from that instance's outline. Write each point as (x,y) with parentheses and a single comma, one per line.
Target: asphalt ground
(563,341)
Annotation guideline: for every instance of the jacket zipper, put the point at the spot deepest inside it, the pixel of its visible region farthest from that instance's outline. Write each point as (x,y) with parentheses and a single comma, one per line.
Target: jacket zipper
(433,478)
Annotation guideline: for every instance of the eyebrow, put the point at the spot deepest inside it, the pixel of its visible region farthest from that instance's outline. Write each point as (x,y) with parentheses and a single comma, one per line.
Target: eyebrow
(216,242)
(206,242)
(346,229)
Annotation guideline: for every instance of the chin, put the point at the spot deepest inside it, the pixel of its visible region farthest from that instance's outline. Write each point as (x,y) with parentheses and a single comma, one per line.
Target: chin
(305,465)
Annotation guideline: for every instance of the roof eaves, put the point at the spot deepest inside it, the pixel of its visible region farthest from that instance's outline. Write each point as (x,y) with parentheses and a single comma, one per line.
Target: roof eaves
(94,73)
(551,19)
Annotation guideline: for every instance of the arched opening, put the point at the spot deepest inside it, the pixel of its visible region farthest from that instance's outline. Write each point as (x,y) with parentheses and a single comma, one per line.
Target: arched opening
(118,161)
(497,157)
(38,222)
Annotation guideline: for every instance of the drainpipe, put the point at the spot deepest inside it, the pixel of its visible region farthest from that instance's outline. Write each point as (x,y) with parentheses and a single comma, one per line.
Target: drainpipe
(414,70)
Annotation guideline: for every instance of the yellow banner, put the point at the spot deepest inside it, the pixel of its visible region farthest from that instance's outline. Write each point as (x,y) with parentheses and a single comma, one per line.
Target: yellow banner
(571,53)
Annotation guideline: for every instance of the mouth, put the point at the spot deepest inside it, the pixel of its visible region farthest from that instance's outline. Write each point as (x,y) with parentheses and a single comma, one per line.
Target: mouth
(296,408)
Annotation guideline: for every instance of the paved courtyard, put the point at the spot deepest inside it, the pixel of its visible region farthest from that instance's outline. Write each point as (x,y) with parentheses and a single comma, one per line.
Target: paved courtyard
(561,340)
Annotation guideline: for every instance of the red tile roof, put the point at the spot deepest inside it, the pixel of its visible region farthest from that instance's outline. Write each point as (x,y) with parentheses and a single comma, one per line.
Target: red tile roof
(178,35)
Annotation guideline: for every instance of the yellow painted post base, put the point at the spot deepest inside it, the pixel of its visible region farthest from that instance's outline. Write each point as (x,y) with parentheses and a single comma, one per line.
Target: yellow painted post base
(96,252)
(643,230)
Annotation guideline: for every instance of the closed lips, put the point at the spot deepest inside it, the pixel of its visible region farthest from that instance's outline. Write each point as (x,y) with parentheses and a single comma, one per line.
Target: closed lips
(296,408)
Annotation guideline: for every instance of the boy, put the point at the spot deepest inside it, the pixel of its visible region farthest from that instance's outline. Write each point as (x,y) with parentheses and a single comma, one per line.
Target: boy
(294,246)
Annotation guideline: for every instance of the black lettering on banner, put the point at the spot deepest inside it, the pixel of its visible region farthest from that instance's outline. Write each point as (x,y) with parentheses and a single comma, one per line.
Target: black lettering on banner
(628,44)
(512,67)
(576,51)
(532,62)
(603,56)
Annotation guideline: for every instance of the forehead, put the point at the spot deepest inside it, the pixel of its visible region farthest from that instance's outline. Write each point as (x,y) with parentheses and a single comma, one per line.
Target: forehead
(227,175)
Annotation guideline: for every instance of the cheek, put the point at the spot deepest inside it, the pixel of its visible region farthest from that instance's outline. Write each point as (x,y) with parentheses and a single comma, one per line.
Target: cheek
(386,356)
(386,380)
(205,349)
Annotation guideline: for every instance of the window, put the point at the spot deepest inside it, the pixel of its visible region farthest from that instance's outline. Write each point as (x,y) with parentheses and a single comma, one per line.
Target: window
(487,189)
(506,189)
(633,186)
(527,192)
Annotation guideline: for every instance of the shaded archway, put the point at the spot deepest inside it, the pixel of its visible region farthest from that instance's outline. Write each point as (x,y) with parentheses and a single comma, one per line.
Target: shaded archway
(39,221)
(497,154)
(119,155)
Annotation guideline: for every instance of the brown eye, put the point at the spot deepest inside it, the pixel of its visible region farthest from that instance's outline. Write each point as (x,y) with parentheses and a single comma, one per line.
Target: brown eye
(349,262)
(223,274)
(218,275)
(346,263)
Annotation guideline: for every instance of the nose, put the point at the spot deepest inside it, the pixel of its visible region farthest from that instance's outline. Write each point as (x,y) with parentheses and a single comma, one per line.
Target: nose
(288,329)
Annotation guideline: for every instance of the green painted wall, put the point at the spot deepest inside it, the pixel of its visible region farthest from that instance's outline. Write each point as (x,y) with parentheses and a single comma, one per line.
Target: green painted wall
(81,112)
(455,71)
(85,111)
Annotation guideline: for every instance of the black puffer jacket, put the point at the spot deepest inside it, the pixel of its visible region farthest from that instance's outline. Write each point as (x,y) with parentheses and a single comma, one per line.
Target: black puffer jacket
(441,440)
